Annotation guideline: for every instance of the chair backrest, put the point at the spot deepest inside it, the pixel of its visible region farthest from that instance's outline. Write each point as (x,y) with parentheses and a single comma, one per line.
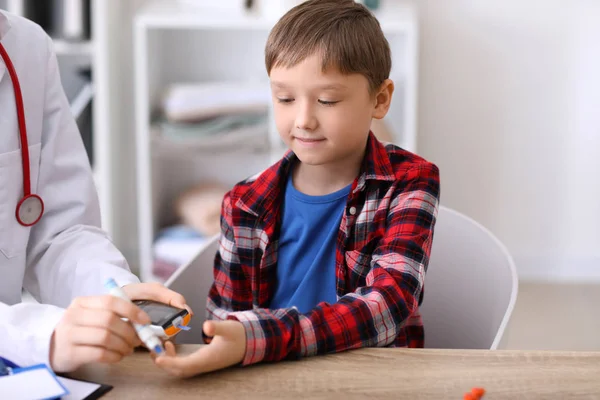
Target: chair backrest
(194,280)
(470,287)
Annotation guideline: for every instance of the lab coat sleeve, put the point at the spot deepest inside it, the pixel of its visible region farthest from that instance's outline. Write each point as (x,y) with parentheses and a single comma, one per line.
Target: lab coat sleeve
(68,255)
(25,330)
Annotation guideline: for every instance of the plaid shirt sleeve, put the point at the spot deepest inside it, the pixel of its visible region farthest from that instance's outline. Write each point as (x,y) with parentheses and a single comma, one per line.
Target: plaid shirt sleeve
(372,315)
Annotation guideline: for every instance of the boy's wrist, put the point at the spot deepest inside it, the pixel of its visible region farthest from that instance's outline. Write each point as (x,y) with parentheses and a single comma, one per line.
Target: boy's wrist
(255,341)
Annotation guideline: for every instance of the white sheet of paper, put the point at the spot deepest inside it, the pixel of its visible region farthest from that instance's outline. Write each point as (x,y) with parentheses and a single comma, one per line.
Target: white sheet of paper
(37,383)
(78,390)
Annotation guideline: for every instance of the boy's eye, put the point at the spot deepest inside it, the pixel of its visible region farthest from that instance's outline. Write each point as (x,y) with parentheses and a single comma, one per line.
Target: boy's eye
(328,103)
(285,100)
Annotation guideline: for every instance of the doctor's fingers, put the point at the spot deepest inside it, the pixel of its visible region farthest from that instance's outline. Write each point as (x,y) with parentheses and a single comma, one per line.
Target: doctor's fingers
(101,338)
(87,317)
(157,292)
(122,308)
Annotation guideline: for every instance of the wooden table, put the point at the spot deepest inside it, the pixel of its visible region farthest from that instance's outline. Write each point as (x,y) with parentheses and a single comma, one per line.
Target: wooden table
(368,373)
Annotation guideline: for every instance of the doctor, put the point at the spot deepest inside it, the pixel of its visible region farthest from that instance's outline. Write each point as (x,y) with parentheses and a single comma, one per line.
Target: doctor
(50,240)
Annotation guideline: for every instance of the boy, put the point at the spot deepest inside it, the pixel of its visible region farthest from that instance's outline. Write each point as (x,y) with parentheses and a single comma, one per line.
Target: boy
(326,250)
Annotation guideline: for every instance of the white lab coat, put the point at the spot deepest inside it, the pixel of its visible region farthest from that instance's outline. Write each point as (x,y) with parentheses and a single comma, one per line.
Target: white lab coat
(65,254)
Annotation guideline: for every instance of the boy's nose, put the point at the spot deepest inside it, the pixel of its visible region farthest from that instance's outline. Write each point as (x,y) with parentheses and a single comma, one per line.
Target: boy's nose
(305,118)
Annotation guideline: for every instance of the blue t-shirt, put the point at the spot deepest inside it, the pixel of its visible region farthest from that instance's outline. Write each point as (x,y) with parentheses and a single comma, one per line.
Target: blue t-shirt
(307,245)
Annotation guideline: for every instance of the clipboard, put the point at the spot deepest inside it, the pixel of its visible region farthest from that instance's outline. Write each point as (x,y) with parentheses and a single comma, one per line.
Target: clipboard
(59,386)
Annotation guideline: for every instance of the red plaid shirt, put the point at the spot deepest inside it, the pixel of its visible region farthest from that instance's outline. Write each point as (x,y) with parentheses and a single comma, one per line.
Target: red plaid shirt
(382,252)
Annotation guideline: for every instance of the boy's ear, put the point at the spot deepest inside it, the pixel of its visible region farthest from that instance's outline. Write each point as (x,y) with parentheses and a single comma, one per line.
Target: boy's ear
(383,99)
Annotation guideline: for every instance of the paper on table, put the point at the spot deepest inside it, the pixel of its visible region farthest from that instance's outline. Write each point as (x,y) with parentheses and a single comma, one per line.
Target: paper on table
(79,390)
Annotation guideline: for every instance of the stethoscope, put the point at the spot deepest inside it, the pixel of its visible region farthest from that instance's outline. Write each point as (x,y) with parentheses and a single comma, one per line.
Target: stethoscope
(31,207)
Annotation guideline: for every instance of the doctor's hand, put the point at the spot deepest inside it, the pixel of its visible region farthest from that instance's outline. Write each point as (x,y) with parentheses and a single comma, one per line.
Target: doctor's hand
(91,329)
(156,292)
(227,348)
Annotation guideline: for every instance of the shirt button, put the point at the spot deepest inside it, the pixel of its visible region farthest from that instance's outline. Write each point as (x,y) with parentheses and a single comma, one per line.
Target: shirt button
(352,210)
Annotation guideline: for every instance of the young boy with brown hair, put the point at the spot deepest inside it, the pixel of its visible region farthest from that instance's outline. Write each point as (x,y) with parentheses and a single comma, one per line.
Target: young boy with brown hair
(327,249)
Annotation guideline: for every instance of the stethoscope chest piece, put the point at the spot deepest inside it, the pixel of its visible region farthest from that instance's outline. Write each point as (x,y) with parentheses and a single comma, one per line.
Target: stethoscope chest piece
(30,210)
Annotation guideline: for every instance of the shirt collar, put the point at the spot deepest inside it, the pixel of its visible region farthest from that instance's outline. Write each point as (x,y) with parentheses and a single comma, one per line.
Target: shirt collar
(4,24)
(260,195)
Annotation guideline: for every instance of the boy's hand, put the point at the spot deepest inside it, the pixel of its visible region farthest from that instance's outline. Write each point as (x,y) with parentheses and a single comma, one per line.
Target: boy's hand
(227,348)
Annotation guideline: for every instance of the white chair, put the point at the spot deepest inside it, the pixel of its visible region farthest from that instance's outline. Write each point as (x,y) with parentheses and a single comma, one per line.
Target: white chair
(194,280)
(470,287)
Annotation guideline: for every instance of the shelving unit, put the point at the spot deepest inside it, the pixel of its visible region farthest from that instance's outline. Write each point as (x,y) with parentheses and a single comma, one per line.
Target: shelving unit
(66,48)
(174,43)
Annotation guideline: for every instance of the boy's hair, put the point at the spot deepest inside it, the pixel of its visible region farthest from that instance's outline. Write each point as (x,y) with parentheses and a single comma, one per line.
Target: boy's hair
(346,34)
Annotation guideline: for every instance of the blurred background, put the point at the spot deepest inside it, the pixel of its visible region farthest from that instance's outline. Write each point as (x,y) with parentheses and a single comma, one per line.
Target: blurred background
(172,101)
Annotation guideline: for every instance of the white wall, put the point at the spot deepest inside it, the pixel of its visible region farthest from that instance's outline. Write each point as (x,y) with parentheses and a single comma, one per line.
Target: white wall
(509,109)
